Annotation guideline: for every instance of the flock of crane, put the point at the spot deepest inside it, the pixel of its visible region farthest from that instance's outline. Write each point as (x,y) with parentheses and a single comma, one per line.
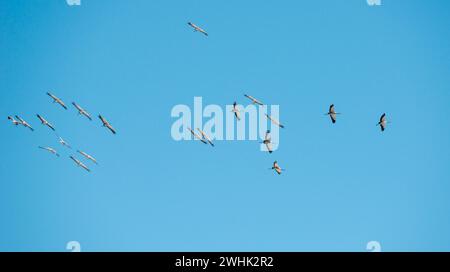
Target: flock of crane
(17,120)
(267,139)
(202,136)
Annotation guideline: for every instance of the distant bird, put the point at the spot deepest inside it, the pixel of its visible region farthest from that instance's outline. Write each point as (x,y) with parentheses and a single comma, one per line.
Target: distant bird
(383,122)
(45,122)
(195,134)
(51,150)
(57,100)
(24,123)
(276,122)
(254,100)
(332,113)
(205,137)
(80,164)
(64,143)
(87,156)
(236,111)
(277,168)
(13,121)
(107,124)
(196,28)
(268,141)
(81,111)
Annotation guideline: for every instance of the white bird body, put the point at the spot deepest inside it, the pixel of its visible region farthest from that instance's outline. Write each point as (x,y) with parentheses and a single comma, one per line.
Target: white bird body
(87,156)
(49,149)
(276,122)
(205,137)
(24,123)
(81,111)
(254,100)
(45,122)
(80,164)
(107,124)
(57,100)
(195,134)
(197,28)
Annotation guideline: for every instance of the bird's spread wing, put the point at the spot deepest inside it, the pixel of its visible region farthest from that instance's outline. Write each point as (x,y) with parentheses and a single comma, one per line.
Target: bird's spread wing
(249,97)
(254,100)
(278,170)
(111,128)
(102,119)
(331,108)
(76,106)
(86,114)
(269,147)
(51,95)
(85,167)
(237,114)
(333,117)
(75,160)
(40,118)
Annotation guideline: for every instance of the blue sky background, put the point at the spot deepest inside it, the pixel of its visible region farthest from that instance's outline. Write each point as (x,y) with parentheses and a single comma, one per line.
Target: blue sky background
(132,61)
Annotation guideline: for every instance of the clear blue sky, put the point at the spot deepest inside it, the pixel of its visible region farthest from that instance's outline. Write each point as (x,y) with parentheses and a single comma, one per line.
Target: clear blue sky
(132,61)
